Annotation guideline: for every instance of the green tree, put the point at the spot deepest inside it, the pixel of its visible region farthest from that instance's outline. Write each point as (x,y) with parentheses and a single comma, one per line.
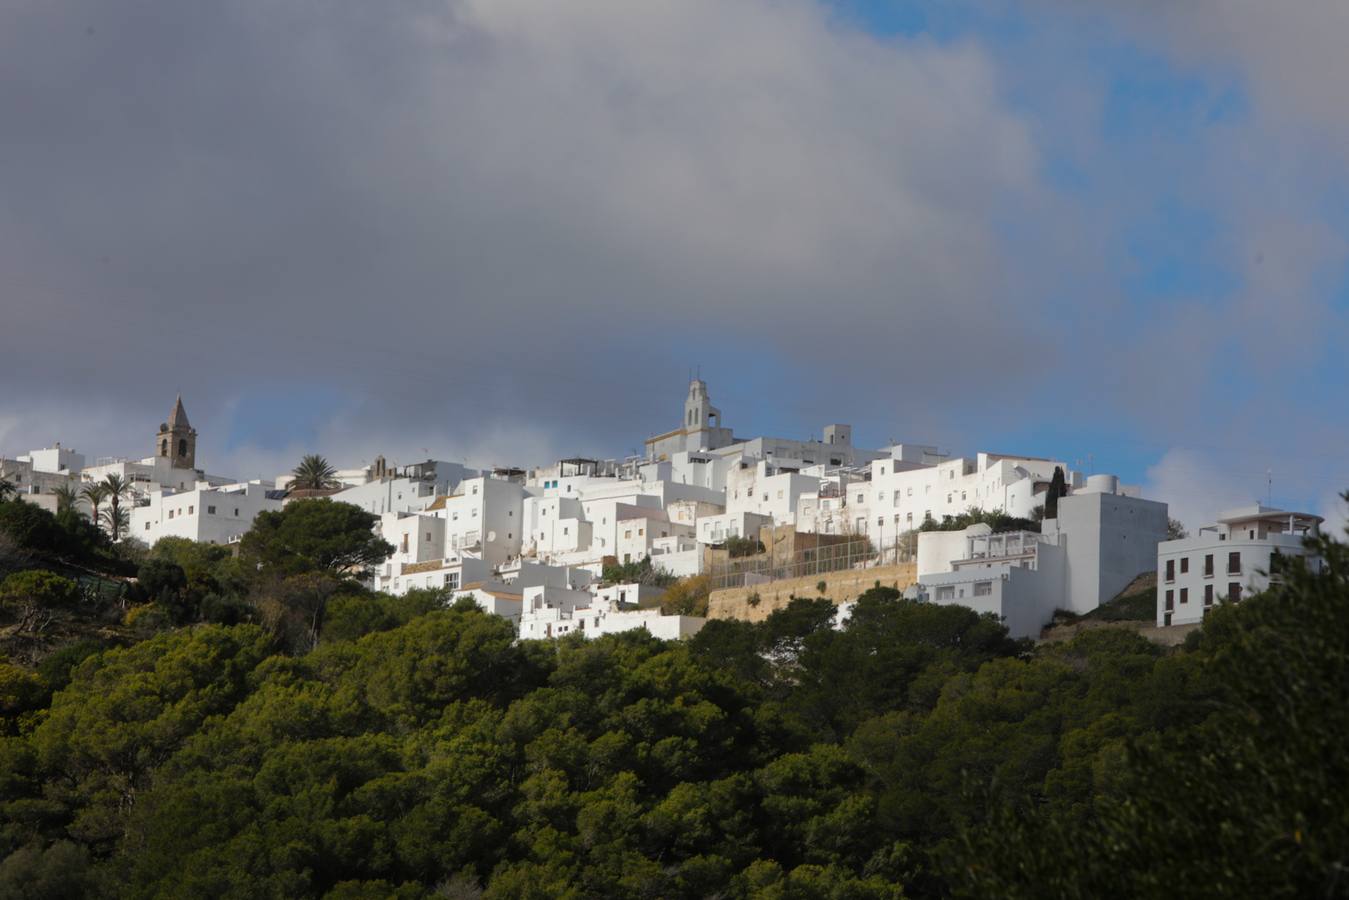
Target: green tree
(314,473)
(687,597)
(7,490)
(315,534)
(1175,530)
(35,597)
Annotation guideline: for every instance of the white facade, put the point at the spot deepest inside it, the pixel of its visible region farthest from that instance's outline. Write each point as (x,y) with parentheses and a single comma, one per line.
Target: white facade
(1097,545)
(211,514)
(36,485)
(56,460)
(762,487)
(1227,560)
(484,518)
(716,529)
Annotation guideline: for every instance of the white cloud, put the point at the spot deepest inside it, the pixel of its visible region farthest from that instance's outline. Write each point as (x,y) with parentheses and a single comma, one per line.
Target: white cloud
(1197,486)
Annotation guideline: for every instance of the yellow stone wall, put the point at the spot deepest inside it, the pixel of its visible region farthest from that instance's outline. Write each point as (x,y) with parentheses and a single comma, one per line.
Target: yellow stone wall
(733,603)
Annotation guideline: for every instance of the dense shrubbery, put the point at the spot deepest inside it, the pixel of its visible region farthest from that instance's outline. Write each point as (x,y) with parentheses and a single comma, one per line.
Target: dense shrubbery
(993,518)
(421,751)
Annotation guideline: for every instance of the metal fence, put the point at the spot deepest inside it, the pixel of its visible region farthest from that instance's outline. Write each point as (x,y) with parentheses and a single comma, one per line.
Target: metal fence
(854,553)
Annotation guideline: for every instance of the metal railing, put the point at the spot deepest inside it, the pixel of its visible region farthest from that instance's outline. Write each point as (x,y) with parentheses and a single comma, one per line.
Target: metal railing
(854,553)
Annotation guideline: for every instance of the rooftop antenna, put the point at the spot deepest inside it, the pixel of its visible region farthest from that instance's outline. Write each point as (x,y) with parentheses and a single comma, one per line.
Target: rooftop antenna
(1269,487)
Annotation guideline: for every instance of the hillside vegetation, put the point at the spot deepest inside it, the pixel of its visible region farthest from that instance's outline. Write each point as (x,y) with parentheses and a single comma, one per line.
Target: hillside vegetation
(278,732)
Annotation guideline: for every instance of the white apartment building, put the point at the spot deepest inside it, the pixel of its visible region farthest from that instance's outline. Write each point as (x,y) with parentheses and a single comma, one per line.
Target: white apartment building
(897,496)
(36,475)
(679,555)
(557,613)
(1095,547)
(717,529)
(484,518)
(762,487)
(639,532)
(1229,559)
(212,514)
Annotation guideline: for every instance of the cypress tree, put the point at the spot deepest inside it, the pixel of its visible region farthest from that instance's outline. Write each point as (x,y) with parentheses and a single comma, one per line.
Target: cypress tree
(1058,487)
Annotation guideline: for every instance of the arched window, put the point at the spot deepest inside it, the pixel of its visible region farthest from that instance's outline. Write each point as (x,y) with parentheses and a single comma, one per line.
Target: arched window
(164,447)
(182,446)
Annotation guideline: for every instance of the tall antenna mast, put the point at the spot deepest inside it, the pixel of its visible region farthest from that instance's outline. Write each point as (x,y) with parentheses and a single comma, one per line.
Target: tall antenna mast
(1269,487)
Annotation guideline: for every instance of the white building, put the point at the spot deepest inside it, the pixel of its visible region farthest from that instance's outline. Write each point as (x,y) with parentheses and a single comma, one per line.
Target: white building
(717,529)
(208,513)
(1227,560)
(764,487)
(483,518)
(36,476)
(410,489)
(1095,547)
(558,613)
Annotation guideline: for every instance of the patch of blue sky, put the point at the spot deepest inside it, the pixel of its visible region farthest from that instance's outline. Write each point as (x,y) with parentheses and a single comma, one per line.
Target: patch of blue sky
(274,418)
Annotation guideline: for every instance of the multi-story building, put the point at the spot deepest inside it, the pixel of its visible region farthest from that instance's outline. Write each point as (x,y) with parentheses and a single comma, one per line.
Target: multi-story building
(212,514)
(1096,546)
(1233,557)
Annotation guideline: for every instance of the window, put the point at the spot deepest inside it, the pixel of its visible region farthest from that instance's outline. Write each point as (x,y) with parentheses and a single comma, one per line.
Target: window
(236,512)
(909,492)
(983,588)
(1208,595)
(1234,563)
(1184,564)
(1166,620)
(452,580)
(1233,592)
(1170,570)
(641,532)
(182,446)
(779,495)
(1170,600)
(404,548)
(1208,565)
(210,510)
(859,498)
(946,593)
(1184,595)
(428,537)
(880,521)
(170,514)
(147,526)
(627,534)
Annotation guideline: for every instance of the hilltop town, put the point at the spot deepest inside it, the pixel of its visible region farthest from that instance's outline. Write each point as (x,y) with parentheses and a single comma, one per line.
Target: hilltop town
(708,524)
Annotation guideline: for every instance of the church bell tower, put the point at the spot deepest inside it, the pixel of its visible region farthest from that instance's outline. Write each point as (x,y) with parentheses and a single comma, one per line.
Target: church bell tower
(177,439)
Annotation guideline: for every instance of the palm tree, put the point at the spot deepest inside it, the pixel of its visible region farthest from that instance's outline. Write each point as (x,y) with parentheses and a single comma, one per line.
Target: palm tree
(313,473)
(117,520)
(116,487)
(67,498)
(94,494)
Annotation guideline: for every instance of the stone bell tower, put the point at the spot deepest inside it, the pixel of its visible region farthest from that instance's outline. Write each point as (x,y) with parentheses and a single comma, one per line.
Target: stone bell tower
(177,439)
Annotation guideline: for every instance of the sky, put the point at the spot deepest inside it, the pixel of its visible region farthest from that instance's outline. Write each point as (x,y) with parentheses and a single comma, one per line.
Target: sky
(503,231)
